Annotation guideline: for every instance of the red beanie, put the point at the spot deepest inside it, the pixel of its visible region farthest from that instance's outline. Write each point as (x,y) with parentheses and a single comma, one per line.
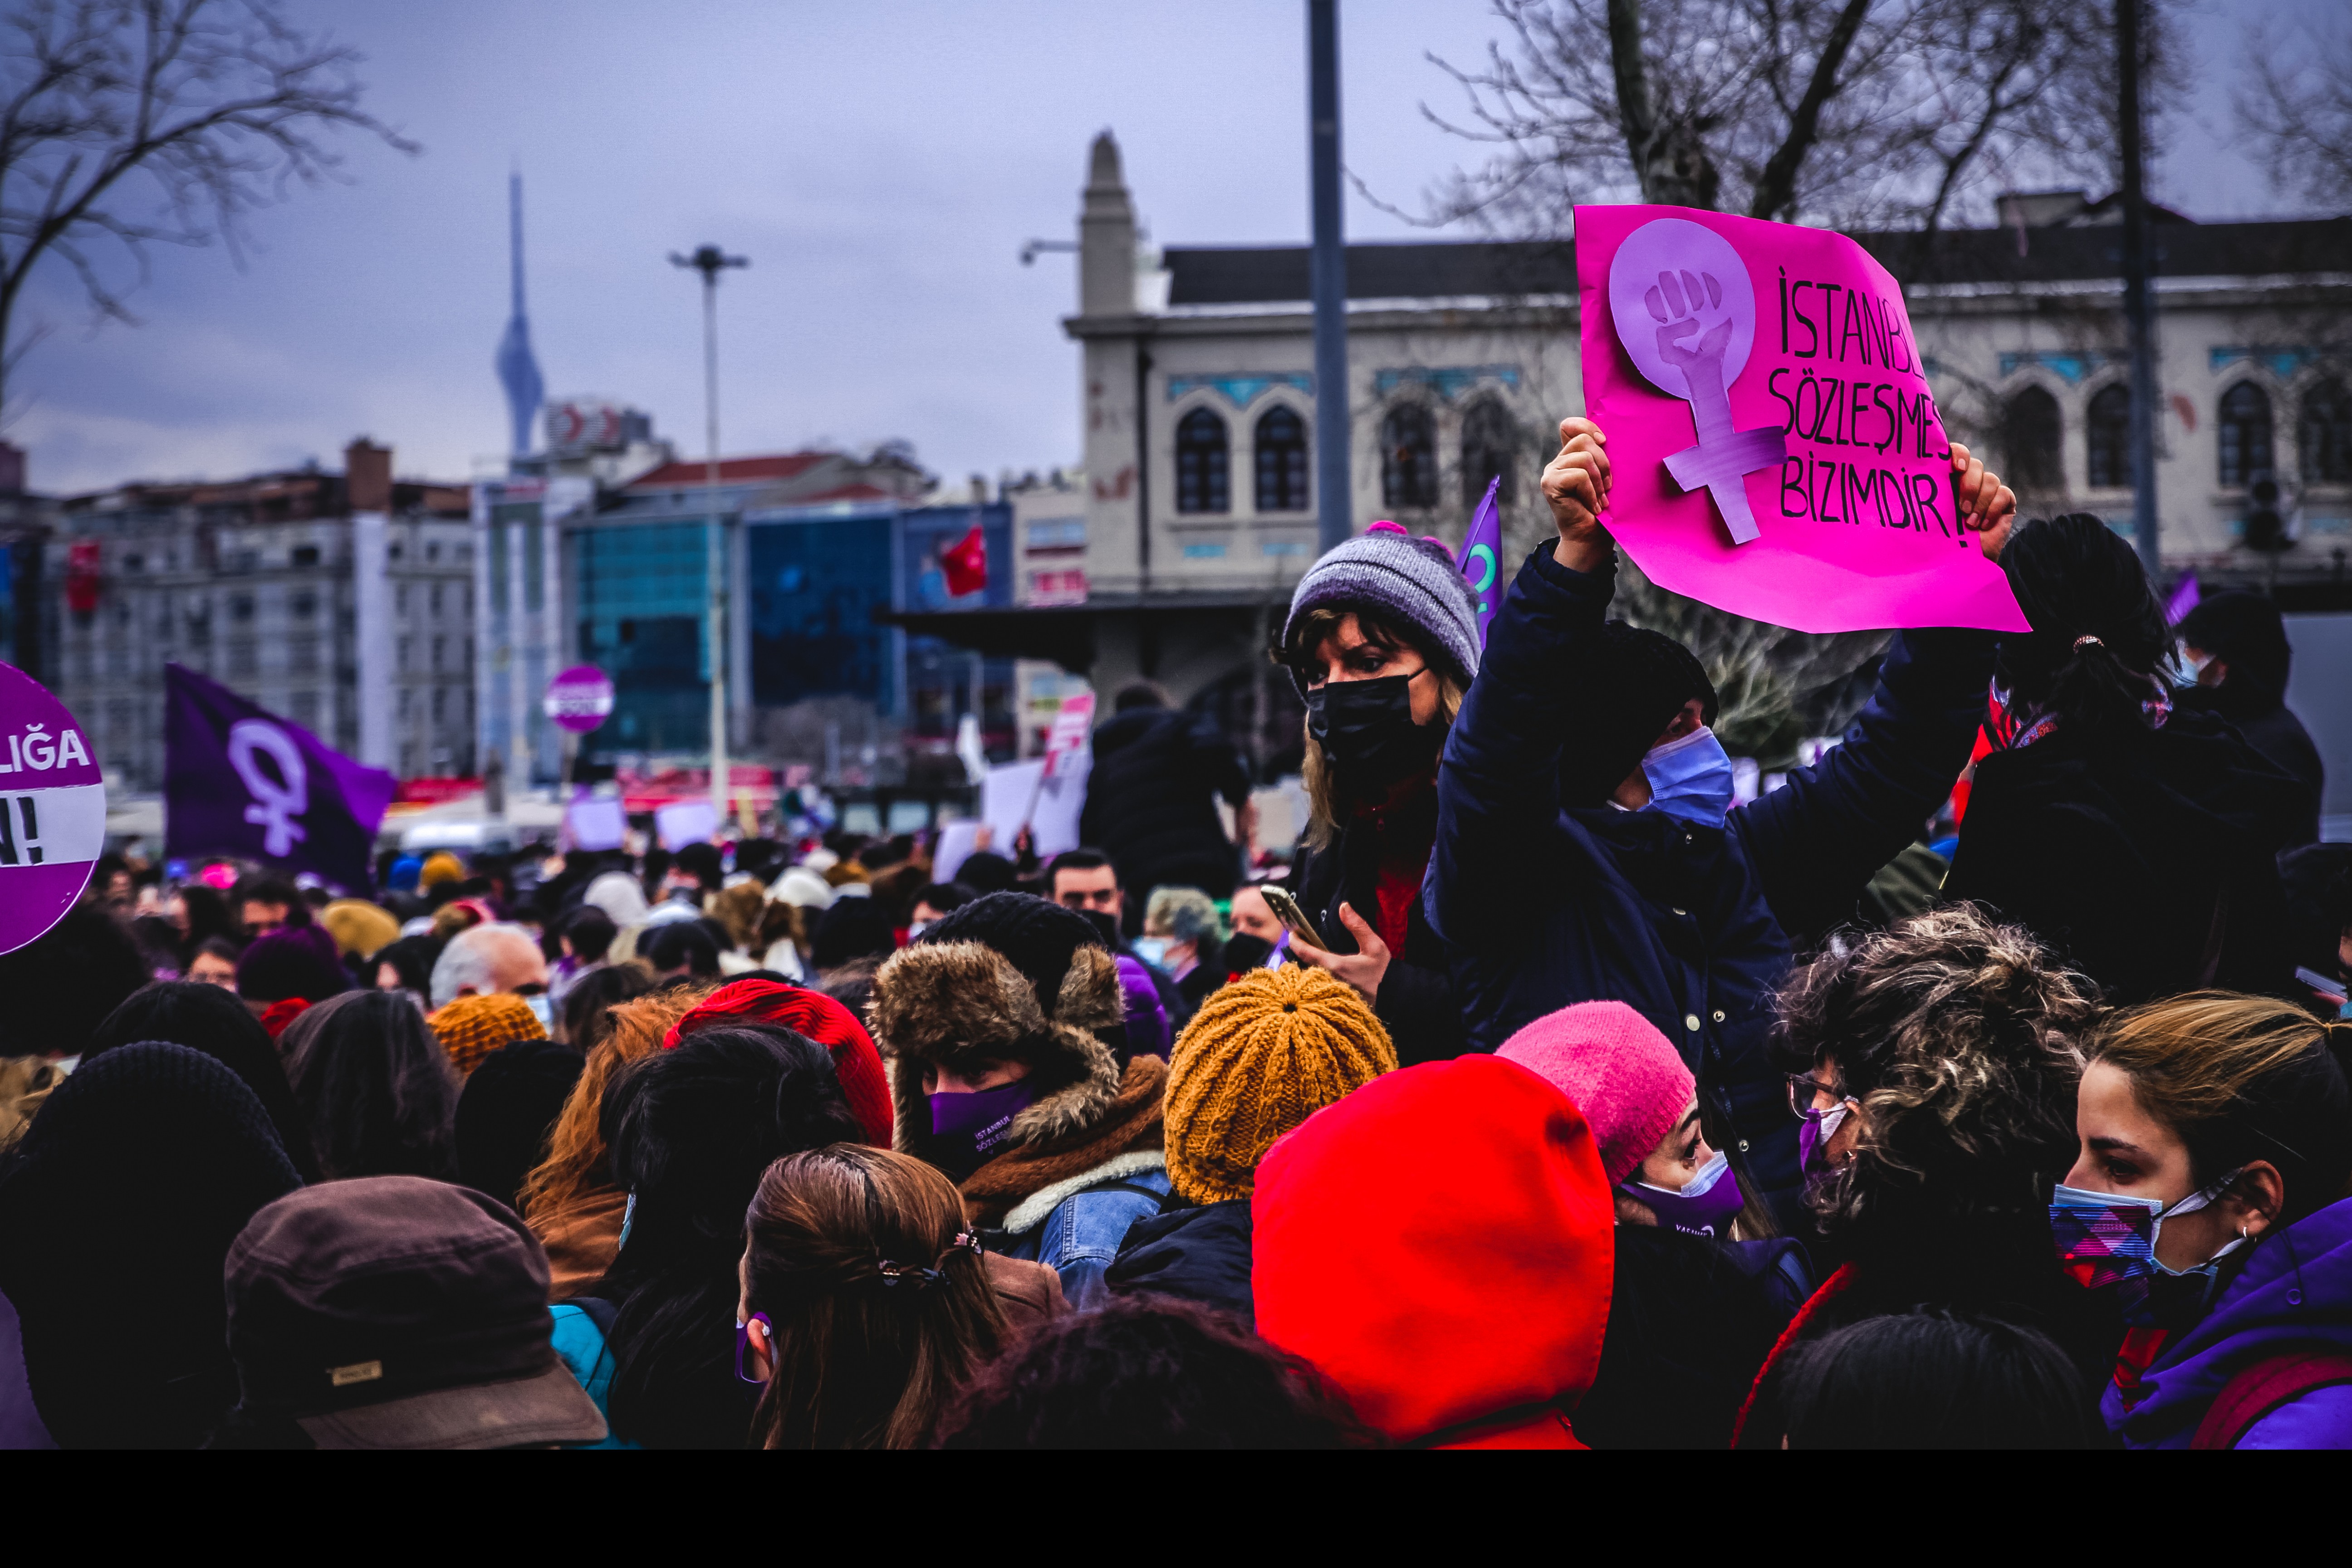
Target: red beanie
(1625,1077)
(821,1019)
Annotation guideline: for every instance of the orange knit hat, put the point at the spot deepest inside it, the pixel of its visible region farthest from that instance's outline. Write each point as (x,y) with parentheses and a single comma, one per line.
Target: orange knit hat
(471,1027)
(1262,1055)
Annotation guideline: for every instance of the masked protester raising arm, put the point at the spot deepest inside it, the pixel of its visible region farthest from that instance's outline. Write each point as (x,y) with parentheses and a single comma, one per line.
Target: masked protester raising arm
(1585,849)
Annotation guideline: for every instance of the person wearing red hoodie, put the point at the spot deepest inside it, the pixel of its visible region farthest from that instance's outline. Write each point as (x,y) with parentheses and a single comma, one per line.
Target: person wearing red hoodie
(812,1013)
(1466,1307)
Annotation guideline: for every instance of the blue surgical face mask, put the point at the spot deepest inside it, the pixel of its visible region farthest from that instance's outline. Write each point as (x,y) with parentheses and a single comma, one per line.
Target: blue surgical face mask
(1690,778)
(1152,950)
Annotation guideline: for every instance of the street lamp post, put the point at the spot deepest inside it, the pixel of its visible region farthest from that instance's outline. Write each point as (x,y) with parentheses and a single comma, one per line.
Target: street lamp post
(710,260)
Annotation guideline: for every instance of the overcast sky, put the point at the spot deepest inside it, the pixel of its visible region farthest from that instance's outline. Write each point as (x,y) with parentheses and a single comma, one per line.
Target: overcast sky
(881,165)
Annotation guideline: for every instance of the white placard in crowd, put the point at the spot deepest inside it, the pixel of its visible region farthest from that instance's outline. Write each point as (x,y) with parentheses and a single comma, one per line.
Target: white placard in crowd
(685,822)
(597,824)
(1018,792)
(957,842)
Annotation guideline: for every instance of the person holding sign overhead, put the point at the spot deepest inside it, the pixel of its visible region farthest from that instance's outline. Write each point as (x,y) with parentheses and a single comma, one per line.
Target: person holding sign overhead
(1585,845)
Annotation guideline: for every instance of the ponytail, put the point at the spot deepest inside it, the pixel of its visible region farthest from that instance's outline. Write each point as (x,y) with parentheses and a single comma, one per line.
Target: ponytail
(2095,658)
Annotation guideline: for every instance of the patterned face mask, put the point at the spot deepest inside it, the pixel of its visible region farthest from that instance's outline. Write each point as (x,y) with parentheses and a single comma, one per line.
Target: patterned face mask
(2109,1238)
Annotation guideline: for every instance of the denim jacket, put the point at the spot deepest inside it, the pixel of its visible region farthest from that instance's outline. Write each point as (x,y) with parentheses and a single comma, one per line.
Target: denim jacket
(1075,1226)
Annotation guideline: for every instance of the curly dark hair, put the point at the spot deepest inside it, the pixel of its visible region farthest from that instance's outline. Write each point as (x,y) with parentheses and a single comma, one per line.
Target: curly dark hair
(1958,1035)
(1149,1372)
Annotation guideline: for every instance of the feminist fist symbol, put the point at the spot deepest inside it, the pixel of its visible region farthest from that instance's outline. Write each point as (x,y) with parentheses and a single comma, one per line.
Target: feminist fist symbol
(1704,307)
(1666,303)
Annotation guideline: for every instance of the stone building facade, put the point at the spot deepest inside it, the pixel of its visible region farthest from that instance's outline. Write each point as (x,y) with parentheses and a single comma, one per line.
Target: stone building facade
(1197,395)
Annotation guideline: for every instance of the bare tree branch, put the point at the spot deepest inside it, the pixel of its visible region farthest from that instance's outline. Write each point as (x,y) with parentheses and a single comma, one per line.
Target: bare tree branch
(2297,109)
(1776,191)
(140,122)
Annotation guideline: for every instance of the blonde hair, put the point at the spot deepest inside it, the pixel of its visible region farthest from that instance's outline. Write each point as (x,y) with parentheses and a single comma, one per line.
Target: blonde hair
(1308,633)
(2240,1079)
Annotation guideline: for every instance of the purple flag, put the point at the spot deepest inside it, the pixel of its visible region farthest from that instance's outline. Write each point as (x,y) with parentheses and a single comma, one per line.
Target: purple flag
(239,779)
(2184,599)
(1482,555)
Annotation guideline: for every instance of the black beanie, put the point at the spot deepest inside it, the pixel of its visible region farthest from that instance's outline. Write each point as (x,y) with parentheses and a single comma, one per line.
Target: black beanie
(852,928)
(1639,683)
(1035,936)
(2243,630)
(117,1210)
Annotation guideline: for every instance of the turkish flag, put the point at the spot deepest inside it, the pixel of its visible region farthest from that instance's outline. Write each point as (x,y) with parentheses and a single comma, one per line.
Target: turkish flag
(965,563)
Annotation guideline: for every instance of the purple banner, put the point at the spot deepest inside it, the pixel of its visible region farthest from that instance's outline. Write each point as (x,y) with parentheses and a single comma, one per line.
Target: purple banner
(239,779)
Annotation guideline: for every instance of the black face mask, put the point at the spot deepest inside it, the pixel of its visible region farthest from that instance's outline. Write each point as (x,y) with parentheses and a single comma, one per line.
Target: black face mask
(1367,732)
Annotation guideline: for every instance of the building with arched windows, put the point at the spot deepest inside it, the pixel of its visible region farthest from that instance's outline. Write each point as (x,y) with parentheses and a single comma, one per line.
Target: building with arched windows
(1199,396)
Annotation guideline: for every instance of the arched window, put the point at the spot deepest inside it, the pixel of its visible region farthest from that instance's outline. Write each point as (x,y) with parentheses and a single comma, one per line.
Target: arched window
(2245,434)
(1201,469)
(1409,457)
(2030,430)
(2108,430)
(1281,461)
(1490,440)
(2324,435)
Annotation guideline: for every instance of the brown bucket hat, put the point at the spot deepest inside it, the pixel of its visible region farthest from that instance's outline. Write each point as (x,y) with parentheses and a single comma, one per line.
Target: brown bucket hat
(396,1312)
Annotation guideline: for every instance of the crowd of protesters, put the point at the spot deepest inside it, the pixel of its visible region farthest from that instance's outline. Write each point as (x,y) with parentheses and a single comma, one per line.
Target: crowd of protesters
(1549,1096)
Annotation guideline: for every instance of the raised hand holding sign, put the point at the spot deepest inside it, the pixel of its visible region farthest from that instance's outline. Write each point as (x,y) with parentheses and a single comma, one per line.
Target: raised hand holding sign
(1821,491)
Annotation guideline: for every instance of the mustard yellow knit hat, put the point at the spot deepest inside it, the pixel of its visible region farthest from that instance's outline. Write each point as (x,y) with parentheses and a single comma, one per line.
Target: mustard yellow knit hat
(1262,1055)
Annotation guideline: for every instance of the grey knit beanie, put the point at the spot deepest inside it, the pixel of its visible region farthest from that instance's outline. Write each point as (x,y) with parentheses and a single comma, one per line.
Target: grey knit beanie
(1411,582)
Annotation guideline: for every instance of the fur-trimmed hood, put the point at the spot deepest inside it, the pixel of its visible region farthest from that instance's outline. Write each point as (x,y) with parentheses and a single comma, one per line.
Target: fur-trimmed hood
(959,1004)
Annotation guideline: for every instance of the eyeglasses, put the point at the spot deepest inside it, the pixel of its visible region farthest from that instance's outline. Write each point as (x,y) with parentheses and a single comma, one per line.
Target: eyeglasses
(743,1338)
(1805,1095)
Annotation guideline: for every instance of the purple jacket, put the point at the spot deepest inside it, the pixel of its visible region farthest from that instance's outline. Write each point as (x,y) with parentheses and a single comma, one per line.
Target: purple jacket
(2296,1289)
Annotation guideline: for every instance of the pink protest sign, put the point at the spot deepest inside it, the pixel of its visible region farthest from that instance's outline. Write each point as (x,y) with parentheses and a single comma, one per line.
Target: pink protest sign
(52,810)
(1775,450)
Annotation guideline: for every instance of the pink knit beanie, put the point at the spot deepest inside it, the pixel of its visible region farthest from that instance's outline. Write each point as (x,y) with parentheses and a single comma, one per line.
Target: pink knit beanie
(1621,1073)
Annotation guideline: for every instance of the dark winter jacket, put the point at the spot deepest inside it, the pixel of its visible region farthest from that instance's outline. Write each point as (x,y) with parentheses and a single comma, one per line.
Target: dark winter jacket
(2008,1272)
(1690,1322)
(1198,1251)
(1416,999)
(2150,861)
(1543,906)
(2270,728)
(1150,802)
(2294,1293)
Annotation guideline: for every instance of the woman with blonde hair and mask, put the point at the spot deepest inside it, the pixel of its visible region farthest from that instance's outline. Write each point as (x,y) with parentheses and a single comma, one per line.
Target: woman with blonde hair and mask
(866,1299)
(2209,1200)
(1381,641)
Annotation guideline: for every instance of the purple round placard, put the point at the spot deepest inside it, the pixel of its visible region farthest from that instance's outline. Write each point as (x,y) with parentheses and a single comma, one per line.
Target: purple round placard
(579,698)
(52,810)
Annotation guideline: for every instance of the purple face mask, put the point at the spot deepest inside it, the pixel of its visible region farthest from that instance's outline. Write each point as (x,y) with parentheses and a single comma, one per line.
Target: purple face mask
(1703,1206)
(971,1129)
(1813,1139)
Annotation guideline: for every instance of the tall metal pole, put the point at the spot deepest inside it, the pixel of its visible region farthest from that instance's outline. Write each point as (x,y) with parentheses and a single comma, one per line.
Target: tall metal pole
(2138,312)
(710,260)
(1333,486)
